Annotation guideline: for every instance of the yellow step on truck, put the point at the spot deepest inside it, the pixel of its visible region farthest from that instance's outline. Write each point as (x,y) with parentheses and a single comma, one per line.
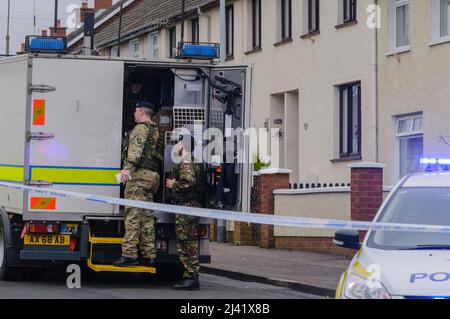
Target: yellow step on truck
(63,119)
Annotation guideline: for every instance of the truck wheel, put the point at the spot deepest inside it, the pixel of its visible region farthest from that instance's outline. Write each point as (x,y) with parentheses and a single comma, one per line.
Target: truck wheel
(6,271)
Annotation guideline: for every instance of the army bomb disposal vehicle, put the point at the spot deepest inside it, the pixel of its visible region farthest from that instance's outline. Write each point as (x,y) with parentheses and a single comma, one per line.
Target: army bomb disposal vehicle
(62,125)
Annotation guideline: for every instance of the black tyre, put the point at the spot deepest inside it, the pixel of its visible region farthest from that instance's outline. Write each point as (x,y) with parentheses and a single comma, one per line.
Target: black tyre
(6,271)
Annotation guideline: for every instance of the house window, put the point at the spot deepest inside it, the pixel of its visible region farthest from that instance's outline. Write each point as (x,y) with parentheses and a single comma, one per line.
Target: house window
(444,18)
(313,16)
(399,22)
(409,133)
(154,45)
(441,21)
(115,51)
(286,19)
(256,24)
(172,42)
(195,30)
(134,48)
(350,120)
(229,30)
(349,10)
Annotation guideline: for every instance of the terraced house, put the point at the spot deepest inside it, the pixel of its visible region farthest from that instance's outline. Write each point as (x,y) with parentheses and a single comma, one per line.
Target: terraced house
(414,77)
(313,69)
(339,89)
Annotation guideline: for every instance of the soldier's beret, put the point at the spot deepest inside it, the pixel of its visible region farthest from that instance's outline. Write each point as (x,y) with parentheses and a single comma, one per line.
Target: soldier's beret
(147,105)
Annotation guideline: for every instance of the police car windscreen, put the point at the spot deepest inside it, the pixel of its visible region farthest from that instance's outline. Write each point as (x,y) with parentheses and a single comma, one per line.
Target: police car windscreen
(423,206)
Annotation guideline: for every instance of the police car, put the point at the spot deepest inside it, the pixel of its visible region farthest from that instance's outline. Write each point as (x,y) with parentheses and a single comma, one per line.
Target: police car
(404,265)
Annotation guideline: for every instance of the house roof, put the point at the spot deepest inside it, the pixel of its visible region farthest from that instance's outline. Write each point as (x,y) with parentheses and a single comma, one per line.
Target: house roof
(138,18)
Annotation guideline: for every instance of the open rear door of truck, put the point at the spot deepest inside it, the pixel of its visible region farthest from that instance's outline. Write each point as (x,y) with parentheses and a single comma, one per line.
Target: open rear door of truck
(75,135)
(239,120)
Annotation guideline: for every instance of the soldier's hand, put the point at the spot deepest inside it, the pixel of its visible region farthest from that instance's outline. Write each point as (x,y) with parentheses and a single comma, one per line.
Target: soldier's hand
(125,175)
(169,183)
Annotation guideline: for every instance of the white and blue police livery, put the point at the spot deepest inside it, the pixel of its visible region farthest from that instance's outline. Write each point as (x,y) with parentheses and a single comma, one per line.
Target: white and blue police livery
(404,265)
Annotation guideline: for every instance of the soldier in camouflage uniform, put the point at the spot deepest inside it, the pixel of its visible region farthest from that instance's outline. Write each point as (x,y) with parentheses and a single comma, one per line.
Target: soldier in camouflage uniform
(185,188)
(142,165)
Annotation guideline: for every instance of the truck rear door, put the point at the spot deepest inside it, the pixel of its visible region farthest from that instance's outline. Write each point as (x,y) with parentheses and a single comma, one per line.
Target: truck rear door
(75,145)
(239,120)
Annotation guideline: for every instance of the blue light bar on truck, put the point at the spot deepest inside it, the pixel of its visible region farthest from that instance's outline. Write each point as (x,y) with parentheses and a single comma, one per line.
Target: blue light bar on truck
(38,44)
(198,50)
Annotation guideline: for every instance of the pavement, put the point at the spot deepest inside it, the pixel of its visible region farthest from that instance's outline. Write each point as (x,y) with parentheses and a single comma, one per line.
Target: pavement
(307,272)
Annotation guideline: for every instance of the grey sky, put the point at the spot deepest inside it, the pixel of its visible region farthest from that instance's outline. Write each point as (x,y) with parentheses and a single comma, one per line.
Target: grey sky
(22,19)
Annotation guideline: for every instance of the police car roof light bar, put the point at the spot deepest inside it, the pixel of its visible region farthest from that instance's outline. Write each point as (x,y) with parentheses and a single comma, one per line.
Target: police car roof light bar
(435,164)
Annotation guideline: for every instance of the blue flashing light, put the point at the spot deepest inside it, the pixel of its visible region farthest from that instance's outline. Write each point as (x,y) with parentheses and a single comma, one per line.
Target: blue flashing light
(427,297)
(434,161)
(46,44)
(444,161)
(202,50)
(431,161)
(435,164)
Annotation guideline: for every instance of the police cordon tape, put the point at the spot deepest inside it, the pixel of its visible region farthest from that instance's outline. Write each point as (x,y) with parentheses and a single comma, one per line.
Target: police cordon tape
(276,220)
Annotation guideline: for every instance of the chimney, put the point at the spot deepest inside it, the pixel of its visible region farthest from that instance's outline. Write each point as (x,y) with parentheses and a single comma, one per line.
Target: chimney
(83,10)
(102,4)
(59,32)
(22,49)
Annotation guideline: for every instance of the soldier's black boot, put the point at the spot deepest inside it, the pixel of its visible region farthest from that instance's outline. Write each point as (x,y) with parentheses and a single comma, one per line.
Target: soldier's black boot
(188,284)
(148,262)
(125,262)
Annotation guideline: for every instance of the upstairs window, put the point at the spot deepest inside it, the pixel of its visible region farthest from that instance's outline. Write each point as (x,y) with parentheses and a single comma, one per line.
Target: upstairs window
(195,30)
(399,25)
(349,10)
(350,120)
(172,42)
(313,16)
(256,24)
(229,30)
(286,19)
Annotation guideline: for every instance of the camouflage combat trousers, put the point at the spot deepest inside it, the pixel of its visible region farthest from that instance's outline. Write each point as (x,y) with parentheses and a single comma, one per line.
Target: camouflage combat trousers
(187,242)
(139,223)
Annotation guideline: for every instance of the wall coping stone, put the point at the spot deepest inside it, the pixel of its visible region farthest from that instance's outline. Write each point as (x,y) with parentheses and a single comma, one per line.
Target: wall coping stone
(323,190)
(367,165)
(271,171)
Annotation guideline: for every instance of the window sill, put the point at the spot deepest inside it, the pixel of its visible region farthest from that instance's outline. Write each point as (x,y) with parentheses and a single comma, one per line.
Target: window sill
(440,41)
(399,51)
(285,41)
(347,159)
(254,50)
(346,24)
(310,35)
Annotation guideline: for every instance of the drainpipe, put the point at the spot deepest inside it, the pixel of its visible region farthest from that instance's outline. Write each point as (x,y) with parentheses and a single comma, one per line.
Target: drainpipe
(375,83)
(223,32)
(200,13)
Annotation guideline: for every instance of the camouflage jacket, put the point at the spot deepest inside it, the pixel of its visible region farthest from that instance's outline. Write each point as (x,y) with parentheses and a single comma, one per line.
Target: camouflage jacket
(144,148)
(189,183)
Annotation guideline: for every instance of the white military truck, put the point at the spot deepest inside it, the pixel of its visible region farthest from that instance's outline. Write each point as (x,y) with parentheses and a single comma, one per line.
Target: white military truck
(62,123)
